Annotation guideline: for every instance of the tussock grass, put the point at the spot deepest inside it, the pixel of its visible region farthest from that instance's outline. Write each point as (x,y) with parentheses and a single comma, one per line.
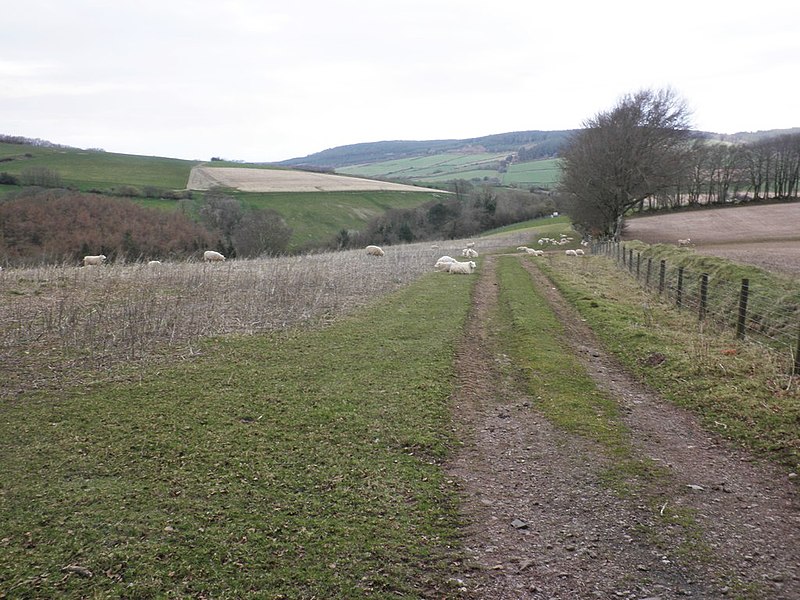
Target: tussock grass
(299,463)
(60,323)
(774,300)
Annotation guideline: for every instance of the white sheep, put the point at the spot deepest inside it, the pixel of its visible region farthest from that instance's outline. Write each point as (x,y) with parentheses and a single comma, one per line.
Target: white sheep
(153,263)
(212,256)
(94,260)
(443,264)
(470,244)
(374,251)
(571,252)
(522,248)
(469,253)
(535,252)
(580,252)
(462,268)
(686,242)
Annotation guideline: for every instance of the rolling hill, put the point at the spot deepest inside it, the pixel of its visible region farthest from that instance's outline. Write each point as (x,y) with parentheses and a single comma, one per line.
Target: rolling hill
(521,158)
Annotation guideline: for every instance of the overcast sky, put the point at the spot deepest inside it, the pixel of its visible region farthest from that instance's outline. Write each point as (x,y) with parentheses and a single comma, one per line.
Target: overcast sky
(275,79)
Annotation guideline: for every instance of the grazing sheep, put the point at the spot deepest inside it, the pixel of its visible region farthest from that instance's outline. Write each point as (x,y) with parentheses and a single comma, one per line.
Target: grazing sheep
(469,253)
(462,268)
(374,251)
(535,252)
(579,252)
(522,248)
(94,260)
(686,242)
(571,253)
(153,263)
(211,256)
(443,264)
(470,244)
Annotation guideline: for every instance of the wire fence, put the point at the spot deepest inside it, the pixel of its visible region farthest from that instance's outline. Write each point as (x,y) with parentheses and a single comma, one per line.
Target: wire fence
(753,310)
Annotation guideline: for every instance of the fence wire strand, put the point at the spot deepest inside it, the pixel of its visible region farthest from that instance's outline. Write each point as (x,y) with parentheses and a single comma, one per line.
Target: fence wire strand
(769,320)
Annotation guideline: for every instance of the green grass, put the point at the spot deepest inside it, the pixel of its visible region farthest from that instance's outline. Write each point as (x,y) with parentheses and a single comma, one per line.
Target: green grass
(449,166)
(290,465)
(315,216)
(425,168)
(541,173)
(86,169)
(544,227)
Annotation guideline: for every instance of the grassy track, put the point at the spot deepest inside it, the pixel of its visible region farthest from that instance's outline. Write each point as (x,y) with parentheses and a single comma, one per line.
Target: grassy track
(300,464)
(532,335)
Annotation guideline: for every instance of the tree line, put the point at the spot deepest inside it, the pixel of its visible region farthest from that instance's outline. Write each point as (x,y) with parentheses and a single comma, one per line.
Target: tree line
(642,154)
(39,225)
(472,209)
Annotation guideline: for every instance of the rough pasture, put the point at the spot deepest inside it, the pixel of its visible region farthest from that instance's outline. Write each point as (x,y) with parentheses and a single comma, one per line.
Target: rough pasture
(765,236)
(285,180)
(62,323)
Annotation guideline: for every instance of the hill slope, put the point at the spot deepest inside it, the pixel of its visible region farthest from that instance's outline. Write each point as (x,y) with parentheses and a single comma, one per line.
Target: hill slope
(537,144)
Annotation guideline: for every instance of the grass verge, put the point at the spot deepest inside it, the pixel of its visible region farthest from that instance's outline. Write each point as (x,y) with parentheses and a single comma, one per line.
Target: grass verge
(738,389)
(288,466)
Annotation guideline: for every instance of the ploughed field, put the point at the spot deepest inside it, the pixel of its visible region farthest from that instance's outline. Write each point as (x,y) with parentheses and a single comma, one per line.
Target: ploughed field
(767,236)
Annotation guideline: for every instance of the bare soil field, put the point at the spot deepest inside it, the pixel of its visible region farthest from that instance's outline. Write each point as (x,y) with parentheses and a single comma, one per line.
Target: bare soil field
(284,180)
(765,236)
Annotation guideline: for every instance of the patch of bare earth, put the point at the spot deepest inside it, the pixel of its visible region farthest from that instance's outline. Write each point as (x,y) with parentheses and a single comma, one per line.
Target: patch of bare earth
(767,236)
(542,525)
(287,180)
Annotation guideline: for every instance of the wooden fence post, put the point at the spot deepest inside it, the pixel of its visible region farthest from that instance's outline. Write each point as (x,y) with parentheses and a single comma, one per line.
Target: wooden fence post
(743,296)
(649,269)
(630,260)
(638,264)
(796,369)
(661,275)
(703,295)
(679,291)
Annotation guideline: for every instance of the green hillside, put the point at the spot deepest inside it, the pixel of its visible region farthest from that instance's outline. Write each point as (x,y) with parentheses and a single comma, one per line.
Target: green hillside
(88,170)
(477,167)
(318,216)
(153,182)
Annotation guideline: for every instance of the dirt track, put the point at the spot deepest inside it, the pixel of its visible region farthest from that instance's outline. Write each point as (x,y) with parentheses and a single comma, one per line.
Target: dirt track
(542,525)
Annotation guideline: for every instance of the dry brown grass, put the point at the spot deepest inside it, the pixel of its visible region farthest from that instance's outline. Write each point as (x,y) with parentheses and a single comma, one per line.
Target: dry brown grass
(287,180)
(64,325)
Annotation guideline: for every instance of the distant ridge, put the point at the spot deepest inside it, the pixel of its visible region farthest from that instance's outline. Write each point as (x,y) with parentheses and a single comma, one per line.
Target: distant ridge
(534,144)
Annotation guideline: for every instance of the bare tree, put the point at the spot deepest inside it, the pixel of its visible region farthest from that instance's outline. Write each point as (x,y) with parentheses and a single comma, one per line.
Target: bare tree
(260,232)
(621,157)
(221,213)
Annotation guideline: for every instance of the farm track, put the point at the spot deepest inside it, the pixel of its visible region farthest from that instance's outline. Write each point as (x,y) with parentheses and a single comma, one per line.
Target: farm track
(542,525)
